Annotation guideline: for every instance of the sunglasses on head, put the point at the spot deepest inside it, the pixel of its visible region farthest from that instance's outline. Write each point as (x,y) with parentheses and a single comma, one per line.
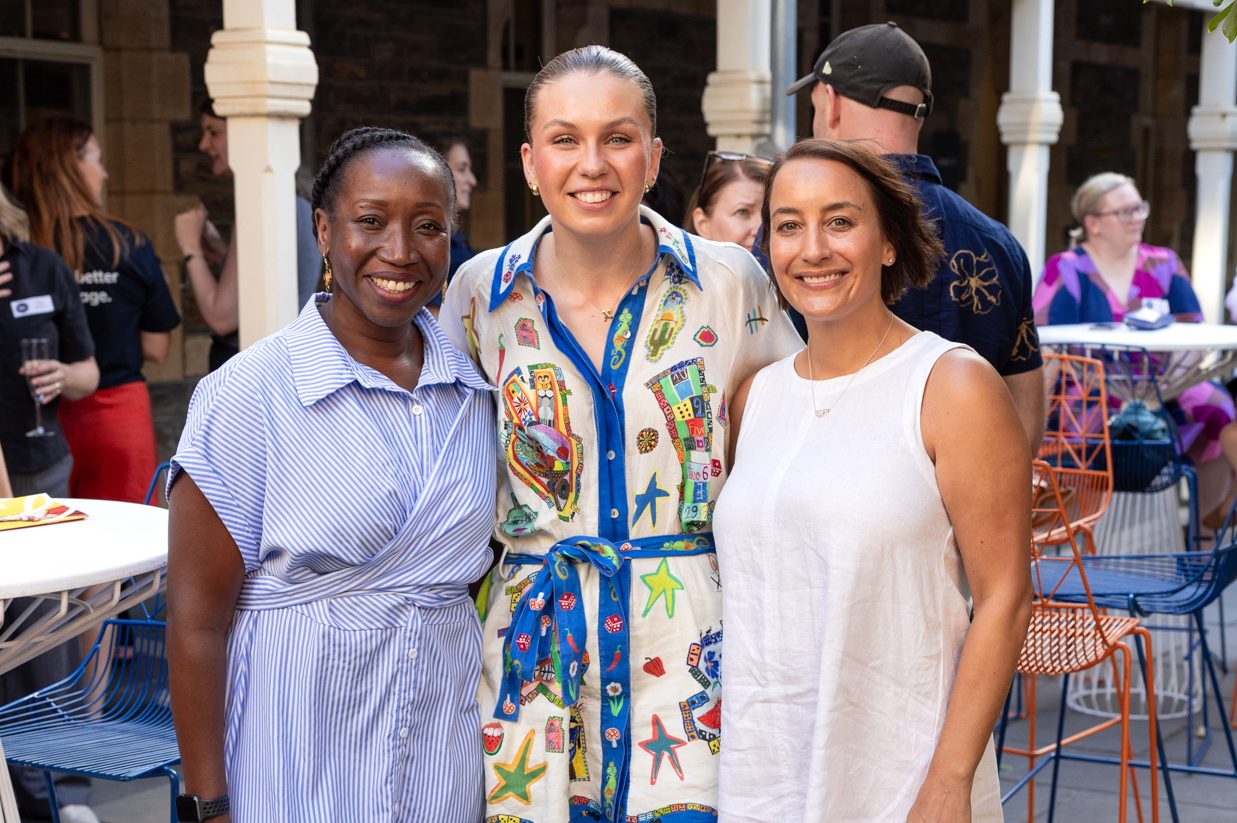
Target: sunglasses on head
(728,157)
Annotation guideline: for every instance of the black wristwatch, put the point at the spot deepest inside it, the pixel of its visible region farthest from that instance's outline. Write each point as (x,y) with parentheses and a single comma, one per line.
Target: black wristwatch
(190,807)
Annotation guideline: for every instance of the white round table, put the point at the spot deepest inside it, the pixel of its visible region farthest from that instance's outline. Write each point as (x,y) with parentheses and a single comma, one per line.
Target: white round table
(89,570)
(1186,354)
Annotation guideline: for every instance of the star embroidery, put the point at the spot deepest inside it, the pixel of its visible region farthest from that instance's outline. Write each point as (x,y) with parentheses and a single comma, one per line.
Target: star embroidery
(515,779)
(647,499)
(660,745)
(661,584)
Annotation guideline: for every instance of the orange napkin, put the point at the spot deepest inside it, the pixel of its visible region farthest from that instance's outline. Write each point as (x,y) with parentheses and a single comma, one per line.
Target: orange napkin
(35,510)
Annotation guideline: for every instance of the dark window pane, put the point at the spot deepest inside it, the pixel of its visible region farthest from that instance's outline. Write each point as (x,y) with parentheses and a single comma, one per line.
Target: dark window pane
(955,10)
(1109,21)
(56,89)
(10,115)
(57,20)
(12,18)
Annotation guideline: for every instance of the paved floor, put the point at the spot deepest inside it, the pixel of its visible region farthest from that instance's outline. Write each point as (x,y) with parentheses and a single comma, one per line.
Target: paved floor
(1087,792)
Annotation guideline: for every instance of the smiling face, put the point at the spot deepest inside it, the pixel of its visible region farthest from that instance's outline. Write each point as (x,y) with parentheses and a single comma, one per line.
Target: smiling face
(461,169)
(734,215)
(592,152)
(214,144)
(90,164)
(825,239)
(386,236)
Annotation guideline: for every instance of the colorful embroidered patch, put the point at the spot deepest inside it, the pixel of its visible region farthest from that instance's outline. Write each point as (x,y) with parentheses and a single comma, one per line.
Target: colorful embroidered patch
(755,319)
(516,779)
(554,734)
(667,321)
(519,520)
(706,337)
(648,500)
(702,721)
(682,392)
(470,329)
(646,440)
(611,785)
(515,297)
(492,737)
(526,333)
(662,584)
(662,745)
(577,741)
(543,684)
(541,449)
(977,288)
(618,343)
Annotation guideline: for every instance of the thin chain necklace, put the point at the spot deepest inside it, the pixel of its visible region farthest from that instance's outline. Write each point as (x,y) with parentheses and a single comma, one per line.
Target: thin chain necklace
(606,314)
(812,381)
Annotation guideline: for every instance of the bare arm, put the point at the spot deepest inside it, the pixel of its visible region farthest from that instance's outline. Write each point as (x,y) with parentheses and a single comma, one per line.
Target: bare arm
(6,489)
(156,345)
(983,470)
(737,403)
(205,572)
(218,300)
(1027,389)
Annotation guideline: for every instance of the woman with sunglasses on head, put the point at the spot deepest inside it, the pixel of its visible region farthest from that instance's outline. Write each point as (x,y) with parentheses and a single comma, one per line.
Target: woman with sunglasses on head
(726,204)
(615,339)
(1107,274)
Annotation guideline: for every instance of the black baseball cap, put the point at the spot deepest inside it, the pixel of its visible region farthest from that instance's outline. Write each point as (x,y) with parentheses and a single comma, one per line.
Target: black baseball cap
(866,62)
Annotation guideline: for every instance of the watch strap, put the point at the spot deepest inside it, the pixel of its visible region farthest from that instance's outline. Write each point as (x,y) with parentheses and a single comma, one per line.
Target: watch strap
(197,809)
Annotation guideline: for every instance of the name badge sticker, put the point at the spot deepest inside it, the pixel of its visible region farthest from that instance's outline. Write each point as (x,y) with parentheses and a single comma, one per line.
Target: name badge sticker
(31,306)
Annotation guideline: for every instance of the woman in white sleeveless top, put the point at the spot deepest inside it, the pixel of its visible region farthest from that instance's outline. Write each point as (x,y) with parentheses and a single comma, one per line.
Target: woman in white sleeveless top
(881,479)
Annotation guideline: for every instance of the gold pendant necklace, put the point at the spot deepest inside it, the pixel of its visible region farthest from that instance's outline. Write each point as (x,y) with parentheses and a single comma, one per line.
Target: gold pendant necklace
(606,314)
(812,381)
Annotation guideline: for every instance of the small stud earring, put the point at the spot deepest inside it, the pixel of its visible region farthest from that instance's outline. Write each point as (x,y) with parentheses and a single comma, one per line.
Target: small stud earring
(533,188)
(648,187)
(327,274)
(891,261)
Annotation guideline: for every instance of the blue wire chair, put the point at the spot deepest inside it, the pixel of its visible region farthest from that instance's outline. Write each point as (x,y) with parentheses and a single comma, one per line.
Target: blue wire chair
(1181,583)
(111,718)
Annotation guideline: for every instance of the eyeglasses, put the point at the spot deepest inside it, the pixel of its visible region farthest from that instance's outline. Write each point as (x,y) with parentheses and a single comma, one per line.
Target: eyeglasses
(728,157)
(1129,214)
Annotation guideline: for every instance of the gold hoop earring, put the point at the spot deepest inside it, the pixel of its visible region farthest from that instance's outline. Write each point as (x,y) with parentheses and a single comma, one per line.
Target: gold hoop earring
(327,274)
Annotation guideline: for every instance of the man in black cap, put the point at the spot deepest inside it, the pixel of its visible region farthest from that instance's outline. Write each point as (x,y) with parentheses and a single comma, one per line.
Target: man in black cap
(874,83)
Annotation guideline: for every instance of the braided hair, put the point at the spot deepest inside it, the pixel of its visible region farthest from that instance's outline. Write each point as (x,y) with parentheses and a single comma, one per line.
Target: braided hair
(356,142)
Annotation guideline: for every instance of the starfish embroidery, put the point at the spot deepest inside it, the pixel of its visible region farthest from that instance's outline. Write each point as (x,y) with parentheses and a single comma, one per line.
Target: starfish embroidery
(662,745)
(662,584)
(647,499)
(515,779)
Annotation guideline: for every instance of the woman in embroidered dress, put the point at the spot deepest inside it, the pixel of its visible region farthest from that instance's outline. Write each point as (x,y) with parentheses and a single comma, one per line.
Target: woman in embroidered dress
(1107,273)
(615,340)
(331,502)
(881,476)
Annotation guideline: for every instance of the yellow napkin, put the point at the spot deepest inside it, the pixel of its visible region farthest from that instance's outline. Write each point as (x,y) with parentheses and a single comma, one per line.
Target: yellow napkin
(35,510)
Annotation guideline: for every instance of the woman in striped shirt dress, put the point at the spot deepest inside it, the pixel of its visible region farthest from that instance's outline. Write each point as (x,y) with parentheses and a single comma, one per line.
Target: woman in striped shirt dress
(331,501)
(615,339)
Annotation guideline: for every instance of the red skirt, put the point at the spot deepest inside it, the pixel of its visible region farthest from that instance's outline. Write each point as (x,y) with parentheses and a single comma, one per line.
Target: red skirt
(112,437)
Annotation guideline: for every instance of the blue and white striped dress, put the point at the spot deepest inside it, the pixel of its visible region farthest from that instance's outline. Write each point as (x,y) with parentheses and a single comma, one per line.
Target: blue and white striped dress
(362,512)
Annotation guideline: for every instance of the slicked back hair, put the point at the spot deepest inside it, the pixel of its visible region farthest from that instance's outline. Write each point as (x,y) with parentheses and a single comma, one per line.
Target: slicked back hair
(590,60)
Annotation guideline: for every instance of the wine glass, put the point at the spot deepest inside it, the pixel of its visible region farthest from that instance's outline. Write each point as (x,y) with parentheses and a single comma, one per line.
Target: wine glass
(34,349)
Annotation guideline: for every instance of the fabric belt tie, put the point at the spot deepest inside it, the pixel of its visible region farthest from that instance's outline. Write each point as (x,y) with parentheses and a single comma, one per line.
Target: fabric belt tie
(548,623)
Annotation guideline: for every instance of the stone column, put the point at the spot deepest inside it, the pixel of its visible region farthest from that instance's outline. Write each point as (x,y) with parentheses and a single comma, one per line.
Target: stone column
(736,96)
(262,75)
(1213,134)
(1030,120)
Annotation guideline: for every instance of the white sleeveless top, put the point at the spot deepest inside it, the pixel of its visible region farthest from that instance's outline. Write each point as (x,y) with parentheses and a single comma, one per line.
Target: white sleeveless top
(844,600)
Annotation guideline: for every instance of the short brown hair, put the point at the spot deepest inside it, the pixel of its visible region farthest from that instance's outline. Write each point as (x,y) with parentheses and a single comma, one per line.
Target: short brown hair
(917,249)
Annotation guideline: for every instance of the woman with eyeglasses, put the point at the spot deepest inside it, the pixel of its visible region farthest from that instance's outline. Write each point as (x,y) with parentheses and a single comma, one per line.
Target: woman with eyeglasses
(1107,274)
(726,204)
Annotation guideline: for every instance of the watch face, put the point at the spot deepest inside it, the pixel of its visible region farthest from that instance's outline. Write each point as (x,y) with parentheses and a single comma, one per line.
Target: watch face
(187,808)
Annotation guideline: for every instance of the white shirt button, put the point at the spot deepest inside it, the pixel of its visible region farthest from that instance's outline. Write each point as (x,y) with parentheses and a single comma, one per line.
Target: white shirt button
(614,514)
(610,455)
(403,732)
(417,409)
(412,654)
